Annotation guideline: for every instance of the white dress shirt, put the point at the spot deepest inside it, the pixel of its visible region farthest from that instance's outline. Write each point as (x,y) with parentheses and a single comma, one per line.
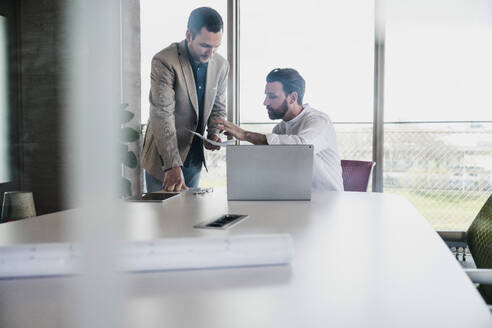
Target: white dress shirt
(312,127)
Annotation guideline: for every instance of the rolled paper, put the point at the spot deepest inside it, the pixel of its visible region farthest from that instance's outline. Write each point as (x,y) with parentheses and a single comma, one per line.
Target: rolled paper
(35,260)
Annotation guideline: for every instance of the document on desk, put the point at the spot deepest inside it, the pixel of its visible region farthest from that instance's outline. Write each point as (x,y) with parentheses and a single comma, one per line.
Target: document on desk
(37,260)
(215,143)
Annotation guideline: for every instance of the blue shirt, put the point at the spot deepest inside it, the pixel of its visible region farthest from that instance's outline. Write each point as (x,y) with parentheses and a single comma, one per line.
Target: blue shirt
(195,155)
(200,74)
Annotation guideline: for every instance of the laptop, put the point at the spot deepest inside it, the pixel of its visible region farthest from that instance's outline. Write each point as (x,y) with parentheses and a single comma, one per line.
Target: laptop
(269,172)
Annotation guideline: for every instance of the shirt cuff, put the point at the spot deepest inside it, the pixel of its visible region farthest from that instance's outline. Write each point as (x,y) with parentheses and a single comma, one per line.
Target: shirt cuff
(272,139)
(212,131)
(169,168)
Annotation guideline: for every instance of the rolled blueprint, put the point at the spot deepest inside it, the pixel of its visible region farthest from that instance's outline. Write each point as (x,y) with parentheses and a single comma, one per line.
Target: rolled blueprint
(35,260)
(29,260)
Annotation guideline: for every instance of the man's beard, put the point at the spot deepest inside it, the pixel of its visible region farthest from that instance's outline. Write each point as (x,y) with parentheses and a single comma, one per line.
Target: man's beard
(279,113)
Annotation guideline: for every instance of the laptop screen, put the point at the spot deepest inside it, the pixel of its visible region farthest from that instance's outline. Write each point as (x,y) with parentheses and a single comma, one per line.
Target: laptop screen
(269,172)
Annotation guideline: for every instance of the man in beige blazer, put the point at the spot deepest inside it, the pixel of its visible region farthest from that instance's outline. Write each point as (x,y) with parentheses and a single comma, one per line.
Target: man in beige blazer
(188,92)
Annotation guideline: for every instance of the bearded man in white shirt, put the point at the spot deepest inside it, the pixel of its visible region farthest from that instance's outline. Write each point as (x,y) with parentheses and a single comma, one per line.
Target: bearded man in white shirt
(301,124)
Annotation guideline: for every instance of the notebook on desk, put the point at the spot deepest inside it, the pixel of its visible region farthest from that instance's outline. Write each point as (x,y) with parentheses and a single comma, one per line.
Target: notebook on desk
(269,172)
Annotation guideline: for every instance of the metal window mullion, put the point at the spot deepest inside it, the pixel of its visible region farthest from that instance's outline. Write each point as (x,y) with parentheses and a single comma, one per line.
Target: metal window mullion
(378,123)
(233,57)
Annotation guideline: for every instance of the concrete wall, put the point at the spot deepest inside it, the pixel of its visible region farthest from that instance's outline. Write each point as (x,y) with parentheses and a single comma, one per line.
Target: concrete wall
(41,91)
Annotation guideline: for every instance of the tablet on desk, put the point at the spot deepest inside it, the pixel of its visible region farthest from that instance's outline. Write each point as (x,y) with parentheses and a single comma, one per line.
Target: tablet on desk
(153,197)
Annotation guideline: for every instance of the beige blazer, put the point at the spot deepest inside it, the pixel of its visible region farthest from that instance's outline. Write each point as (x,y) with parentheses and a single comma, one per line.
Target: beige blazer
(174,107)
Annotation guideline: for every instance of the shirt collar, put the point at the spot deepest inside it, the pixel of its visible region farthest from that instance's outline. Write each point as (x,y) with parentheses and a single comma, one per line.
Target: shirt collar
(192,62)
(298,117)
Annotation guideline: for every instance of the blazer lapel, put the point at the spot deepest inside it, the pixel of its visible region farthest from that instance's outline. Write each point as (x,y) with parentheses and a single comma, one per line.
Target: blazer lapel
(188,75)
(210,89)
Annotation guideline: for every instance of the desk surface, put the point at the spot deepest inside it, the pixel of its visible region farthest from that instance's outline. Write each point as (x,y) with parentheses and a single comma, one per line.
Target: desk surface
(362,260)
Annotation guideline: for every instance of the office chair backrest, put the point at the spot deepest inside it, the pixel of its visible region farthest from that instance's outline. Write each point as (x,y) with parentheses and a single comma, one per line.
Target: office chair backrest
(356,174)
(479,239)
(479,236)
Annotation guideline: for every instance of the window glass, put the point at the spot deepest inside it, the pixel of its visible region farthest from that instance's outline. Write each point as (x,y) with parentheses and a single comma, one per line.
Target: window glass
(4,104)
(438,131)
(438,65)
(330,43)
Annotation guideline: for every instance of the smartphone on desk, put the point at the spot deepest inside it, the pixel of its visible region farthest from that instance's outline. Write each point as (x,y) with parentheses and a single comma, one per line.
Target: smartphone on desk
(223,222)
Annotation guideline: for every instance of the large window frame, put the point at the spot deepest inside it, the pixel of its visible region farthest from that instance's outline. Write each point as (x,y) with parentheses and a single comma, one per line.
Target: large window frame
(378,123)
(411,174)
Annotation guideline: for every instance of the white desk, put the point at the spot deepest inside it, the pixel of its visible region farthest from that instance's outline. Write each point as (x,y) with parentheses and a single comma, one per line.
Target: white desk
(362,260)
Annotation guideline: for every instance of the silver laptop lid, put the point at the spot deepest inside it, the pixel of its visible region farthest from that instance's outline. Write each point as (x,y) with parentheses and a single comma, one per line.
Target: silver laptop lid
(269,172)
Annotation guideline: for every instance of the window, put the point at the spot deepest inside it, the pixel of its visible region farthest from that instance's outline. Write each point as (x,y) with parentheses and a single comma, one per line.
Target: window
(331,44)
(9,93)
(5,175)
(438,122)
(437,82)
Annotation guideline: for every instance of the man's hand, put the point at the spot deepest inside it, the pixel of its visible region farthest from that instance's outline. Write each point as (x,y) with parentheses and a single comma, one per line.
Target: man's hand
(230,129)
(212,137)
(174,180)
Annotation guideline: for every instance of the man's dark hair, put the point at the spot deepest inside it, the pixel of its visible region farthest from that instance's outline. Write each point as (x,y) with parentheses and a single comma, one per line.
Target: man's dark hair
(291,81)
(204,17)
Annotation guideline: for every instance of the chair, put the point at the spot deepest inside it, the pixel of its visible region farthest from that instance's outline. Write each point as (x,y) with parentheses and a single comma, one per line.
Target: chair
(355,174)
(478,238)
(17,205)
